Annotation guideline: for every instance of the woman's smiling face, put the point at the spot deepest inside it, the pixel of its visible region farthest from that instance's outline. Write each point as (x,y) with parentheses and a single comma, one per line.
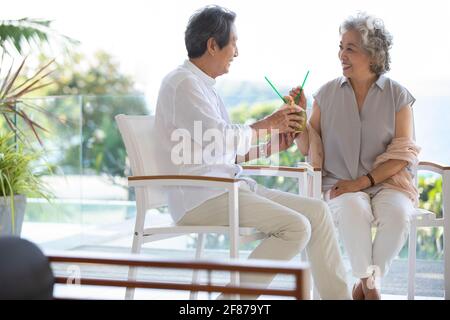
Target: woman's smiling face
(354,59)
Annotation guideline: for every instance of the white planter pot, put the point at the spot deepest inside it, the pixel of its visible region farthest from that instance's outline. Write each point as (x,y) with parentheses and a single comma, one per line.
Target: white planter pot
(5,215)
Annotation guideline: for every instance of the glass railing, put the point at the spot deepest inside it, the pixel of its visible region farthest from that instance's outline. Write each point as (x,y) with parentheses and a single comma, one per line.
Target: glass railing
(92,204)
(91,200)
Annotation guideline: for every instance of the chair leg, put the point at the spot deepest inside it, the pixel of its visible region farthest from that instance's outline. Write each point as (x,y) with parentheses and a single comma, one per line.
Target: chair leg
(138,240)
(315,293)
(233,209)
(198,253)
(412,260)
(304,258)
(446,257)
(132,271)
(446,217)
(235,281)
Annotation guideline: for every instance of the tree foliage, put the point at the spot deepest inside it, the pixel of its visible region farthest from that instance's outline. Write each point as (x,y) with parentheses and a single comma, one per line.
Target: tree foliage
(89,93)
(15,35)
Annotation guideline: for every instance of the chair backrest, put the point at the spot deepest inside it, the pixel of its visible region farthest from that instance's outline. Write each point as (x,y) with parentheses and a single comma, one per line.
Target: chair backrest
(138,135)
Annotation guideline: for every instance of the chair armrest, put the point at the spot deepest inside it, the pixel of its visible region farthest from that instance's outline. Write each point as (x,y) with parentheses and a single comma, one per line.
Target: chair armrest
(261,170)
(182,180)
(432,166)
(281,168)
(301,172)
(311,170)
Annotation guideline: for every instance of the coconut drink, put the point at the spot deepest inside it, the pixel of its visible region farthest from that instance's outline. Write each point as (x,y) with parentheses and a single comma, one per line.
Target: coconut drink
(291,102)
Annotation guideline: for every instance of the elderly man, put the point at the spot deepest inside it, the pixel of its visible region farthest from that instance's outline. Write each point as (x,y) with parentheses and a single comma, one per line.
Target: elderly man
(188,105)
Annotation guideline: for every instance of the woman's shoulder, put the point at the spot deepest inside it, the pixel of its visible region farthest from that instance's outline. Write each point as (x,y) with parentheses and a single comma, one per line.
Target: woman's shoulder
(332,84)
(325,95)
(391,84)
(400,94)
(329,88)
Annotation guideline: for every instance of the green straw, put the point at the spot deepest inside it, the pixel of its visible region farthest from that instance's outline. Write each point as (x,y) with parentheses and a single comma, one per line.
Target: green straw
(301,89)
(275,89)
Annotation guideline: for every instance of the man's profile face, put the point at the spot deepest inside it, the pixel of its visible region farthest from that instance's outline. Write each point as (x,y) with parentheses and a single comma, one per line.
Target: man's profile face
(225,56)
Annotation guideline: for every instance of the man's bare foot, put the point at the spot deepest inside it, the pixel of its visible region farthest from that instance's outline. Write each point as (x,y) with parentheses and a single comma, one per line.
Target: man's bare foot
(369,290)
(357,292)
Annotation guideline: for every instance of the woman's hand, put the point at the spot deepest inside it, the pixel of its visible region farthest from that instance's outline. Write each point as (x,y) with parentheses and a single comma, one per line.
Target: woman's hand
(346,186)
(302,101)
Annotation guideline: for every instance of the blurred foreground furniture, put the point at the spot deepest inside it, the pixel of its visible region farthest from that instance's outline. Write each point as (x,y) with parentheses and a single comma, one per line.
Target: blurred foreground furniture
(140,141)
(299,271)
(25,272)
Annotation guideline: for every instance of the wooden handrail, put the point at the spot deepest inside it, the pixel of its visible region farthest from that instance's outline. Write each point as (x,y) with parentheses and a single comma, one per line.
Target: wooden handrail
(298,270)
(184,287)
(263,266)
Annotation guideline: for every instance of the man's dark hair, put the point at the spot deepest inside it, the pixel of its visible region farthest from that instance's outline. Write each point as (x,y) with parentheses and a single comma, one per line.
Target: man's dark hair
(210,21)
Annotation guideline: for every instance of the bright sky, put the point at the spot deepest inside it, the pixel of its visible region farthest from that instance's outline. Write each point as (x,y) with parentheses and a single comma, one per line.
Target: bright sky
(281,39)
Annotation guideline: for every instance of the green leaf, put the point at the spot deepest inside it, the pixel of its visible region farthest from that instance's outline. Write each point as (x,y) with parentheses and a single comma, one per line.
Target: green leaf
(33,32)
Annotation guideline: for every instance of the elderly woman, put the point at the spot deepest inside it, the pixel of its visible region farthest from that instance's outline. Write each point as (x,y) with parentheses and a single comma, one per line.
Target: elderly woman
(361,133)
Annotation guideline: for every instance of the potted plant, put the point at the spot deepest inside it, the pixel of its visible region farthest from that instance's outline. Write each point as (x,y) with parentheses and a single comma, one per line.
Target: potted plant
(18,179)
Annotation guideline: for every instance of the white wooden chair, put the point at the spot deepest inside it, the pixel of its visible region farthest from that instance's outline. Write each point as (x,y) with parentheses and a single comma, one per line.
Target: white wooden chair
(424,218)
(137,133)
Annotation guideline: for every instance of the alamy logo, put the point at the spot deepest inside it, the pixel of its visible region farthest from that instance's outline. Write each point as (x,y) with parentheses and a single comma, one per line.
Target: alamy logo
(74,277)
(214,146)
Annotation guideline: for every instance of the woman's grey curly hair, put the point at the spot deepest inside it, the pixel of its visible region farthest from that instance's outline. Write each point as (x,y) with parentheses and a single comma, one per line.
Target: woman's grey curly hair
(376,40)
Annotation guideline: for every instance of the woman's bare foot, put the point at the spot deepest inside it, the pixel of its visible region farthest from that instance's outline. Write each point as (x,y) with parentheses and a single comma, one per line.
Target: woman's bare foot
(357,292)
(370,291)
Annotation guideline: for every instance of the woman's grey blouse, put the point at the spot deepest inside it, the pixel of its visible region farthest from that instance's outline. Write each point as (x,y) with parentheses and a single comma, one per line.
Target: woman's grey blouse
(352,139)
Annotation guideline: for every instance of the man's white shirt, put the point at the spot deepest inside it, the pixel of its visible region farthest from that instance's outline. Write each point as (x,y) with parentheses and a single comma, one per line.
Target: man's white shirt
(189,106)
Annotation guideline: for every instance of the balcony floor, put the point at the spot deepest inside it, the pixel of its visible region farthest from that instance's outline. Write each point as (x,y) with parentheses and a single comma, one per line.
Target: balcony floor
(429,277)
